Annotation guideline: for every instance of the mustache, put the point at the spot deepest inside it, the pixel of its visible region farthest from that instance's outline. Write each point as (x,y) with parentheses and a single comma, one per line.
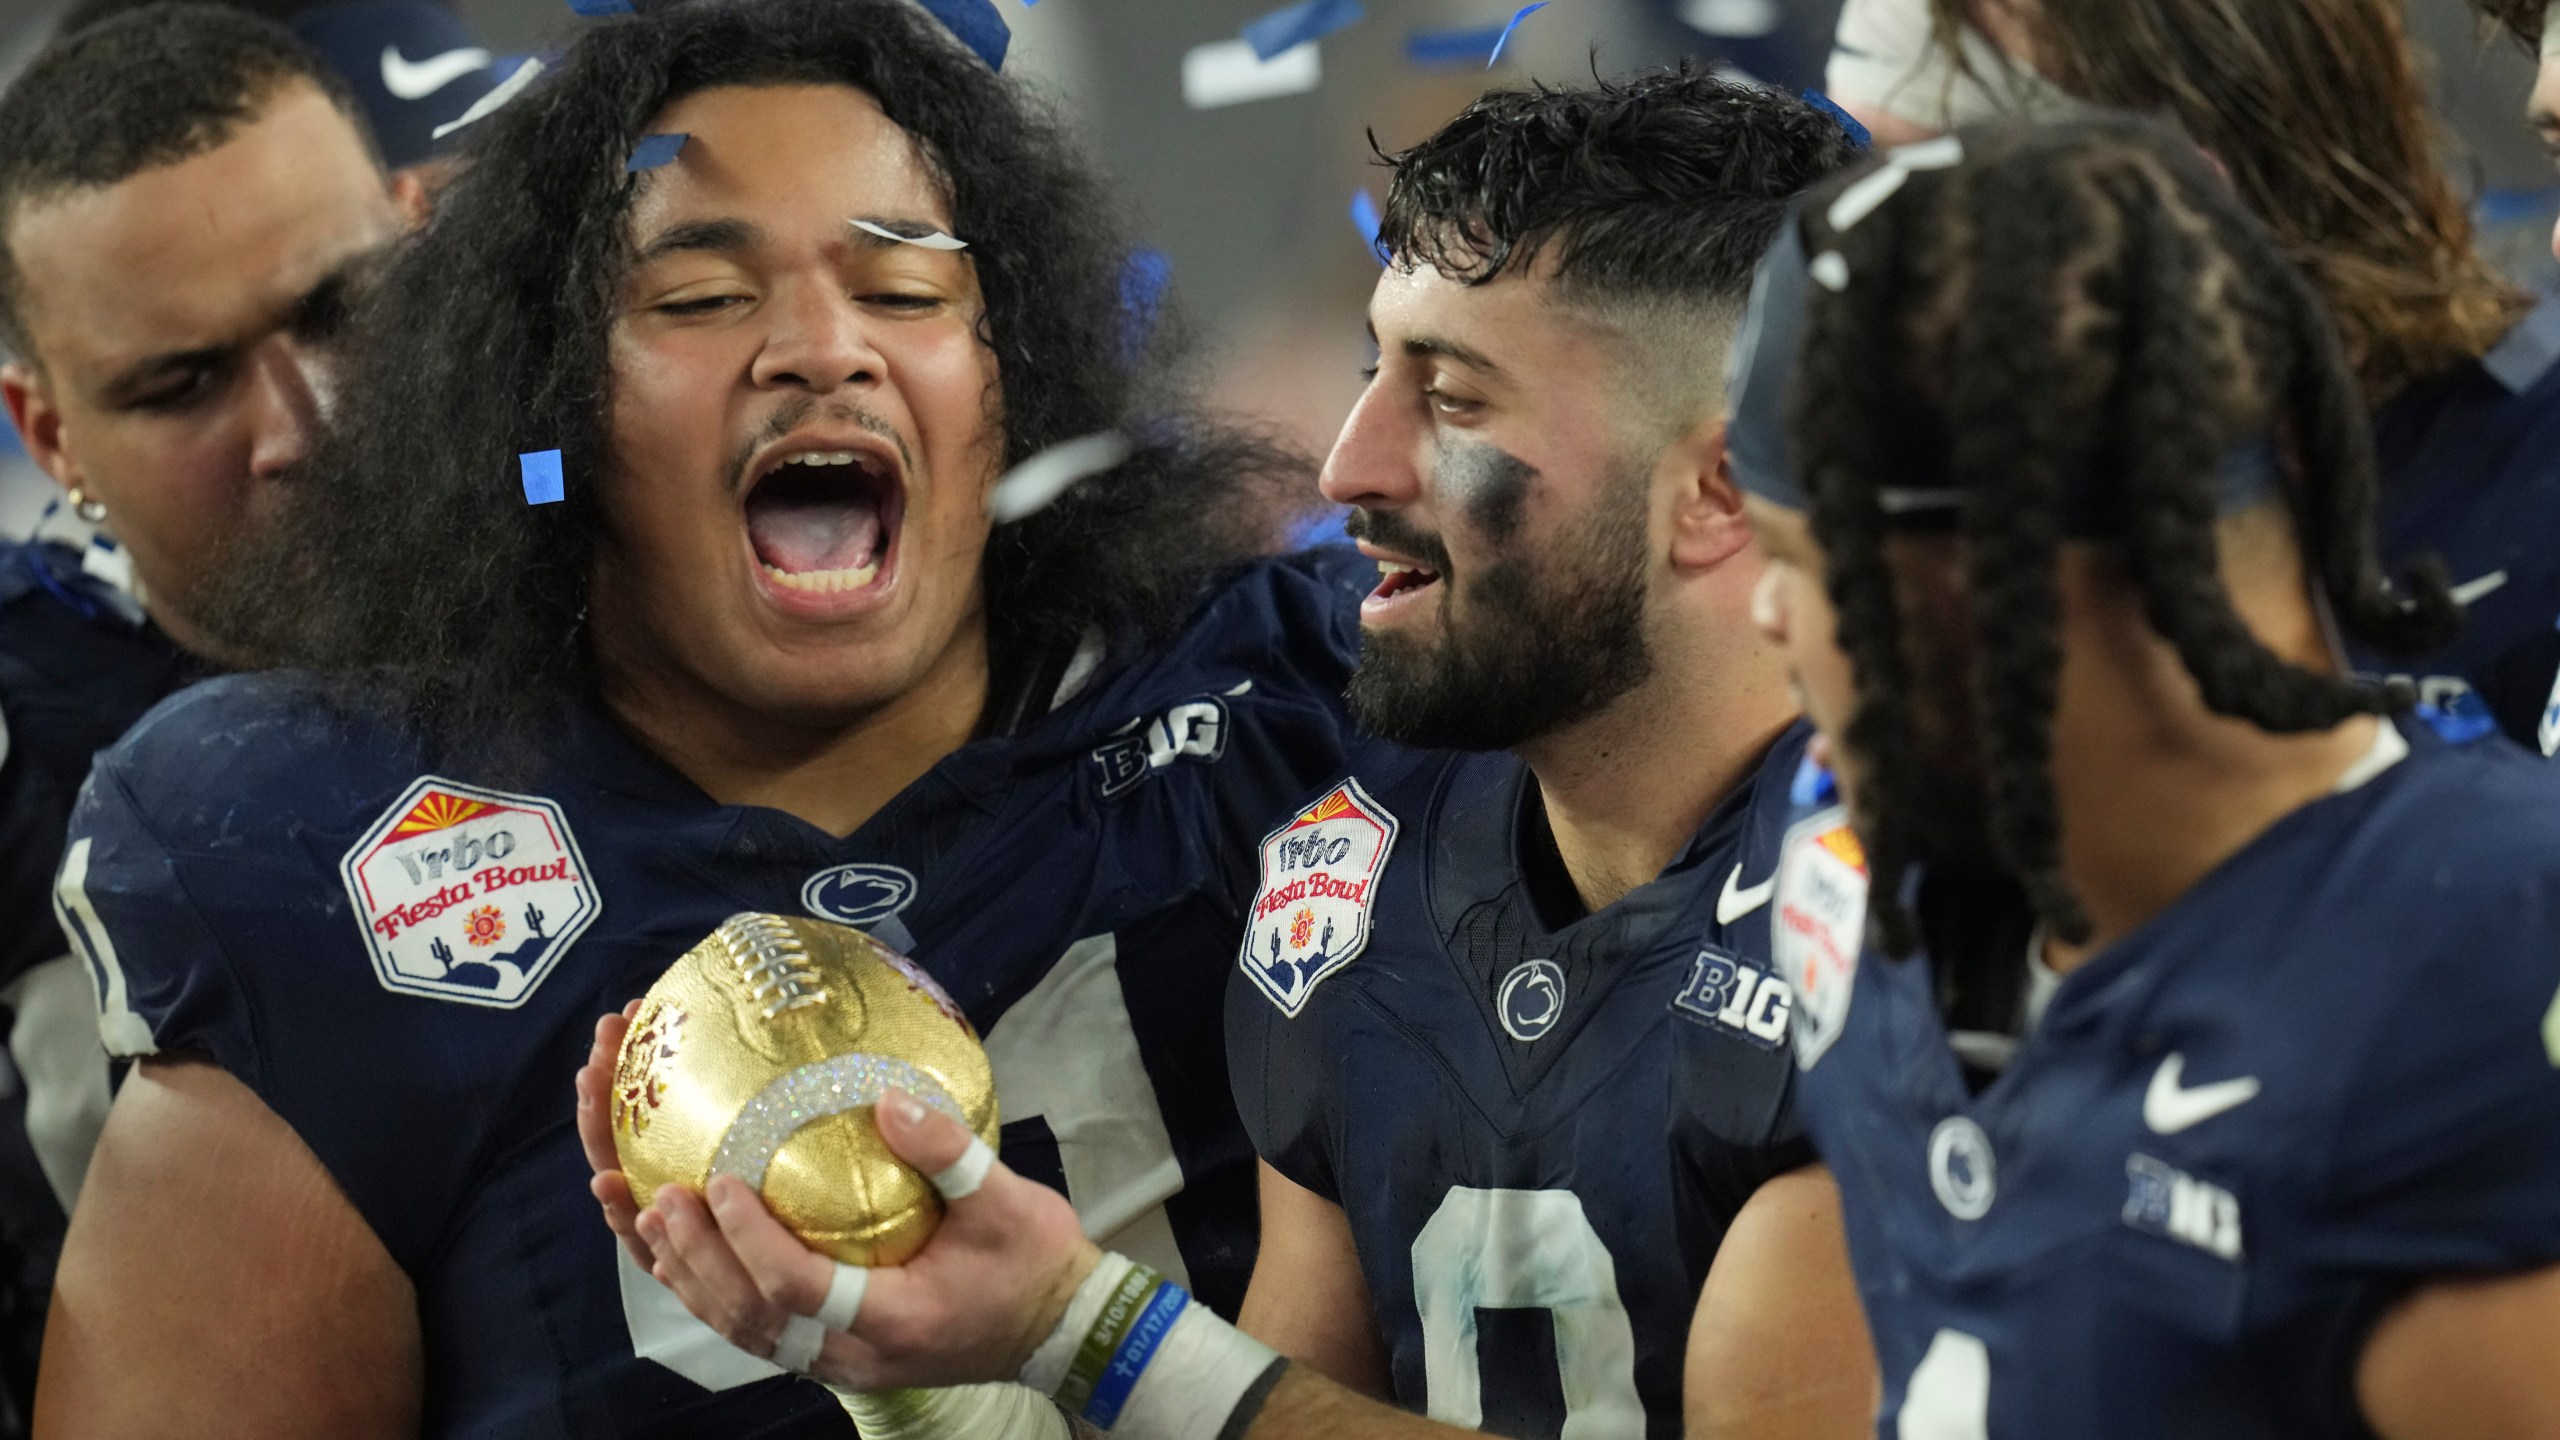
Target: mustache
(793,413)
(1389,531)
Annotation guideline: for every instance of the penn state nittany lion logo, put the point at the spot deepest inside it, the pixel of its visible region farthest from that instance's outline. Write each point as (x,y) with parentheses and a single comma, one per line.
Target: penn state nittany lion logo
(467,894)
(1319,885)
(859,895)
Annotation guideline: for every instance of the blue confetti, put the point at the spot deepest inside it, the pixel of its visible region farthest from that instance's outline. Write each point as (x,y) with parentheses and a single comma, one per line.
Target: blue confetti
(542,483)
(601,7)
(1453,47)
(1365,219)
(2465,719)
(1142,281)
(2508,206)
(652,152)
(1524,13)
(1859,139)
(1294,26)
(977,25)
(1812,785)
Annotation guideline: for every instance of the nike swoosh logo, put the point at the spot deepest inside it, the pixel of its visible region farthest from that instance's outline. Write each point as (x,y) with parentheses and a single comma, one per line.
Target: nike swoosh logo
(417,79)
(1735,903)
(2168,1108)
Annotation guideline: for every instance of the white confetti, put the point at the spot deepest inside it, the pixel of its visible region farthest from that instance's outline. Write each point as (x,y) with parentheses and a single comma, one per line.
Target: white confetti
(504,91)
(1227,72)
(933,241)
(1036,483)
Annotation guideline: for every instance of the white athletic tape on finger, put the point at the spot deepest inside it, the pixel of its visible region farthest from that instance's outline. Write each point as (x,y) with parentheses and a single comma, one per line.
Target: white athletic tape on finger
(797,1349)
(963,1176)
(844,1297)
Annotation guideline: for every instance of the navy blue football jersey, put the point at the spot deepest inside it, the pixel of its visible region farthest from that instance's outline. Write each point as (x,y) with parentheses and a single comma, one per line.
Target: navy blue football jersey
(407,966)
(1484,1090)
(2471,473)
(2322,1076)
(79,664)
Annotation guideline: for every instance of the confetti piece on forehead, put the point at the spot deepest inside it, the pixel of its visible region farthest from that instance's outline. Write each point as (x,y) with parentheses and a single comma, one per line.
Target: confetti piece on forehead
(1523,13)
(653,151)
(601,7)
(977,25)
(1227,72)
(1453,47)
(504,91)
(1289,28)
(542,482)
(930,240)
(1365,219)
(1858,137)
(1036,483)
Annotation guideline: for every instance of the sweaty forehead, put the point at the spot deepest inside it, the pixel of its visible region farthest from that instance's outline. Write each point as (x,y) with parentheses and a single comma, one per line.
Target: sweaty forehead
(1514,321)
(786,157)
(193,254)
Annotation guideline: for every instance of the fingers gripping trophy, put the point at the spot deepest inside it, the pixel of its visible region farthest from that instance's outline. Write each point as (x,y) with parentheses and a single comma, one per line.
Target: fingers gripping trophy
(761,1097)
(762,1054)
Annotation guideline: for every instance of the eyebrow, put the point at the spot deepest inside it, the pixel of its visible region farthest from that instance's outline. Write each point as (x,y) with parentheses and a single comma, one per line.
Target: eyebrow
(329,289)
(902,225)
(695,235)
(1427,346)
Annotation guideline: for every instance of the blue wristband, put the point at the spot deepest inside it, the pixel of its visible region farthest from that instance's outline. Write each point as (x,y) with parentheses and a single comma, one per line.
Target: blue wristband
(1137,1348)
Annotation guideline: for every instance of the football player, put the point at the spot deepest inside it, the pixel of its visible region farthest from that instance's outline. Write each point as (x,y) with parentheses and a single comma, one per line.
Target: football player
(167,376)
(2463,372)
(1454,1016)
(762,648)
(2199,1073)
(1451,1024)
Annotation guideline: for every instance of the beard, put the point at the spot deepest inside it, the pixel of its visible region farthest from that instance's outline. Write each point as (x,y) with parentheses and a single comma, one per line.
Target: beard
(1542,643)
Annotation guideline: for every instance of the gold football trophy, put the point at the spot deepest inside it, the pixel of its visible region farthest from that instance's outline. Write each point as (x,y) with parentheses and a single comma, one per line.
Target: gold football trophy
(761,1053)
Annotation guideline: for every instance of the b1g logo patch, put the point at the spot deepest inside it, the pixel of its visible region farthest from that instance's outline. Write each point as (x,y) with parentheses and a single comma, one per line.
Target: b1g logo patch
(468,894)
(1819,925)
(1319,884)
(1730,993)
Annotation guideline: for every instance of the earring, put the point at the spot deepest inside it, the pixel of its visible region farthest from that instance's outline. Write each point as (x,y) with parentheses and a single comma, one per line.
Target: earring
(90,511)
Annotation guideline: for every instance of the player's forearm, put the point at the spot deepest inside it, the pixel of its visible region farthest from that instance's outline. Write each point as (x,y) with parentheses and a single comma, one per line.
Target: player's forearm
(1306,1406)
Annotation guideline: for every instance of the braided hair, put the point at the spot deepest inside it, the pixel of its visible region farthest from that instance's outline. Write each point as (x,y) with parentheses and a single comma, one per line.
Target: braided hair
(2082,304)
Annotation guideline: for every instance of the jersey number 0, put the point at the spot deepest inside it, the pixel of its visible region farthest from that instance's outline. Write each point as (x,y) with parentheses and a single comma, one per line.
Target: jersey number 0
(1524,1249)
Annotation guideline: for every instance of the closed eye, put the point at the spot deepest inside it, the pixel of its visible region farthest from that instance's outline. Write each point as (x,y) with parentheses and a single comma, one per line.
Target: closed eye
(704,305)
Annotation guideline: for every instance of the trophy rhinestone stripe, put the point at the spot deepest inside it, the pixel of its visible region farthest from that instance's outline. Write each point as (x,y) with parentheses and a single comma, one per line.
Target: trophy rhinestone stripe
(813,1092)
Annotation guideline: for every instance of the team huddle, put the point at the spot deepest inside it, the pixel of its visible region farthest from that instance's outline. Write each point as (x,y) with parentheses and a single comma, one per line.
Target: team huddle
(1914,812)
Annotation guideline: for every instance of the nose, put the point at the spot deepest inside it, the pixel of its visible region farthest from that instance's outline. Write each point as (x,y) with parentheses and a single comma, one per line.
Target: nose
(1374,462)
(287,393)
(819,342)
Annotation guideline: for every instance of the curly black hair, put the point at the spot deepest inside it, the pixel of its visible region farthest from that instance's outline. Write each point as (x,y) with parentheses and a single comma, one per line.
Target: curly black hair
(1650,197)
(151,86)
(2087,293)
(410,568)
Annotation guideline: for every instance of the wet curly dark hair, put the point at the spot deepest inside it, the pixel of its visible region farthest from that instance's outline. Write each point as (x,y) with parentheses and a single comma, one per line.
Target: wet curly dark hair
(410,569)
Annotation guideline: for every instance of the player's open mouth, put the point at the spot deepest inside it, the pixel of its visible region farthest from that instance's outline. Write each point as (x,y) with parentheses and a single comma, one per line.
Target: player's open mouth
(1402,584)
(825,522)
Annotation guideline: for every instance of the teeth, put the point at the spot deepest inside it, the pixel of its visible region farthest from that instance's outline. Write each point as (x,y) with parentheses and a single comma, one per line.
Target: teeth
(824,581)
(1389,567)
(821,457)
